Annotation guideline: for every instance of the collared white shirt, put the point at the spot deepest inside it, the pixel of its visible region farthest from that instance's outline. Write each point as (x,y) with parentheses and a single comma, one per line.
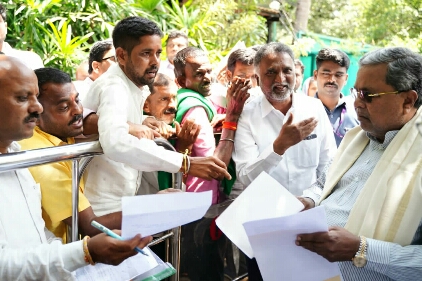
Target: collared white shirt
(82,87)
(118,172)
(28,251)
(258,127)
(167,68)
(28,58)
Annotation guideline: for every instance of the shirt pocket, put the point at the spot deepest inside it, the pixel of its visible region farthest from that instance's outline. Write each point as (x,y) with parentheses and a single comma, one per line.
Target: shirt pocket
(306,153)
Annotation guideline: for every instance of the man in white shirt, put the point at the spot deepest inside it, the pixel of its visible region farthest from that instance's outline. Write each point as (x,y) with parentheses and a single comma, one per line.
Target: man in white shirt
(288,136)
(118,96)
(28,251)
(176,41)
(30,59)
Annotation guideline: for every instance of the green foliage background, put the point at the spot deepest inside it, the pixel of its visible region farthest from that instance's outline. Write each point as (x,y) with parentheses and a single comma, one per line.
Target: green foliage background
(62,31)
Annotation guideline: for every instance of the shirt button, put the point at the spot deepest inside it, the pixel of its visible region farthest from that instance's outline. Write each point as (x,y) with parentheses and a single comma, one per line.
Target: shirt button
(356,179)
(367,161)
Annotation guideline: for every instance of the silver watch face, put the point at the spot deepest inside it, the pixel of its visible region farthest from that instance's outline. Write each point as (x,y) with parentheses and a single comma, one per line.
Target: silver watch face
(359,261)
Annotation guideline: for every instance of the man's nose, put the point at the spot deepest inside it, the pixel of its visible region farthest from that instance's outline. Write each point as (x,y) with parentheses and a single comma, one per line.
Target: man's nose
(35,106)
(280,78)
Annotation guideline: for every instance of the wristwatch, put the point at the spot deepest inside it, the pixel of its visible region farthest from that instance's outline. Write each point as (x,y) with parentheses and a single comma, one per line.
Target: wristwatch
(360,257)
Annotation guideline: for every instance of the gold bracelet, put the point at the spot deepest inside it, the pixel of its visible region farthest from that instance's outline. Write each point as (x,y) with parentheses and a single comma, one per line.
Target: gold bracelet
(88,259)
(227,139)
(185,162)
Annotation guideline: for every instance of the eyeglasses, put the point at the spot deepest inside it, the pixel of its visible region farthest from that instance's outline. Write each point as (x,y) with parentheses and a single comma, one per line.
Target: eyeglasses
(367,96)
(112,58)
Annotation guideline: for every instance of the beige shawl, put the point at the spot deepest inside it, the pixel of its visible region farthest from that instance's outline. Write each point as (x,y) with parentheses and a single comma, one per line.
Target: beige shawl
(389,206)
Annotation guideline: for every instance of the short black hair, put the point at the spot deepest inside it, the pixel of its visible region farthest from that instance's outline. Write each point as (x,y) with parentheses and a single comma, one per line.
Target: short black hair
(182,55)
(272,48)
(161,80)
(335,55)
(176,34)
(51,75)
(299,63)
(128,32)
(3,11)
(244,56)
(97,52)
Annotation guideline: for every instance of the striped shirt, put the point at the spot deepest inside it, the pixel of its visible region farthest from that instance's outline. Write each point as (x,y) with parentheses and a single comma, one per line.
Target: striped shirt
(386,260)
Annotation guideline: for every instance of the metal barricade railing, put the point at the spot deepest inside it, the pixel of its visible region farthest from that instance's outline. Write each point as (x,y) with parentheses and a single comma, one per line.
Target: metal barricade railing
(80,155)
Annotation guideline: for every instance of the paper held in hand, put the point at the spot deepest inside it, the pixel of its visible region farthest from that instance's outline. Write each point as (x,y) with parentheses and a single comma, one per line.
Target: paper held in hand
(264,222)
(152,214)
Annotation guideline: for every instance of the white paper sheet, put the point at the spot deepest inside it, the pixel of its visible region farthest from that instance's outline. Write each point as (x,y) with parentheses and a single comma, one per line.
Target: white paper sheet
(277,255)
(125,271)
(151,214)
(264,198)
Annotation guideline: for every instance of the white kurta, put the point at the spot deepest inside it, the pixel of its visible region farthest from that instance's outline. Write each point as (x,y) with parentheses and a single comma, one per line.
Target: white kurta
(28,251)
(118,172)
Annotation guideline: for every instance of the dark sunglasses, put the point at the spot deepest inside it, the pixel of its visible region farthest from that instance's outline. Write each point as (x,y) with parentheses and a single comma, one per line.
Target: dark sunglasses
(367,96)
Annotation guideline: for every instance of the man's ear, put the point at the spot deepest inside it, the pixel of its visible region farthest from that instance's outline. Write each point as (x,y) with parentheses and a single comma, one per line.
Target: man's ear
(410,99)
(146,107)
(95,66)
(229,75)
(316,74)
(181,80)
(121,55)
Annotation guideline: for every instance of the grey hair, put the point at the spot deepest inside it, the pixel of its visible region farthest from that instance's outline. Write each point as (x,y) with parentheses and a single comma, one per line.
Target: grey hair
(271,48)
(404,68)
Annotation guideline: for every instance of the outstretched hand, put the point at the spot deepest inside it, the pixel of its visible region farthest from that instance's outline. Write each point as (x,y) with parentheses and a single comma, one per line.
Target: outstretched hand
(208,168)
(108,250)
(187,134)
(142,131)
(160,127)
(291,134)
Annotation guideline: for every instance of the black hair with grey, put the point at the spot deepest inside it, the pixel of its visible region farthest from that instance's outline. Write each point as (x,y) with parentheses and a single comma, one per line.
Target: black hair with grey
(97,52)
(244,56)
(177,34)
(51,75)
(299,63)
(3,12)
(182,55)
(337,56)
(271,48)
(161,80)
(128,32)
(404,68)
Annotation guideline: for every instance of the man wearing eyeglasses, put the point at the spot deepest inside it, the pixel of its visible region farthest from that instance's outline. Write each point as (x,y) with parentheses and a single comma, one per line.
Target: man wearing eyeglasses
(101,56)
(331,76)
(372,191)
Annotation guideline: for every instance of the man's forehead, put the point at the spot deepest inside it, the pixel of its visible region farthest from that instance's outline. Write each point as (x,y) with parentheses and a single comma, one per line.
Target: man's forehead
(371,76)
(57,91)
(201,61)
(275,58)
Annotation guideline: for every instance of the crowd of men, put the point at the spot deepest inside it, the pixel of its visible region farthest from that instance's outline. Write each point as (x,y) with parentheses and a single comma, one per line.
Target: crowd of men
(357,154)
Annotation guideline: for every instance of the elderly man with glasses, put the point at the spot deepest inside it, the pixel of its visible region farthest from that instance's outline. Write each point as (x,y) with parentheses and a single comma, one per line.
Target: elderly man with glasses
(372,191)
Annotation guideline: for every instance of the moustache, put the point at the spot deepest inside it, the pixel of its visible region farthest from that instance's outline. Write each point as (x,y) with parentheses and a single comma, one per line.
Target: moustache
(331,84)
(280,85)
(170,111)
(33,115)
(152,68)
(75,119)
